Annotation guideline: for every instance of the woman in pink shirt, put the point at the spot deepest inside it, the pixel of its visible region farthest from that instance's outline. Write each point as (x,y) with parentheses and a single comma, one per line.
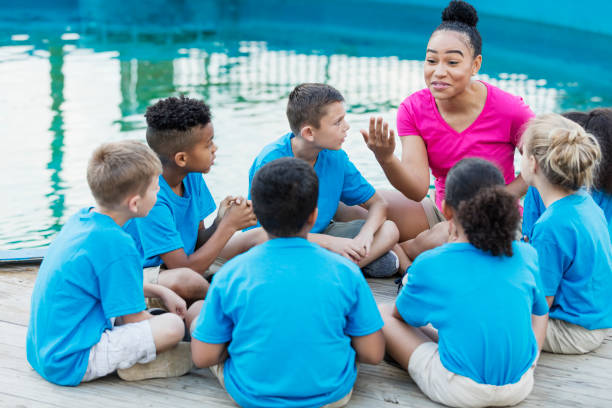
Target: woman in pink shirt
(453,118)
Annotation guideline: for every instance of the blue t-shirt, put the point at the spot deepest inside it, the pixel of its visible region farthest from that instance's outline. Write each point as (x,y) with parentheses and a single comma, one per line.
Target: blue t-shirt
(339,179)
(91,273)
(575,254)
(534,207)
(173,221)
(288,308)
(481,305)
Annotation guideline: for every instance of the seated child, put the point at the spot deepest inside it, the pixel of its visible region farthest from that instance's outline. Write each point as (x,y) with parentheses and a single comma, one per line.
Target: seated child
(480,291)
(284,323)
(180,131)
(318,128)
(88,315)
(597,122)
(571,236)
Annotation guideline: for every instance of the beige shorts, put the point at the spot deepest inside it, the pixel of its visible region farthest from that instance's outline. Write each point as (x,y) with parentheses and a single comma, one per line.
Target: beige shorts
(217,370)
(121,347)
(567,338)
(455,390)
(433,213)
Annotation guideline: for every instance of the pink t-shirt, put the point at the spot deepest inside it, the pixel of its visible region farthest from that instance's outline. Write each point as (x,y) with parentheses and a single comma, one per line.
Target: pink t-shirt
(493,136)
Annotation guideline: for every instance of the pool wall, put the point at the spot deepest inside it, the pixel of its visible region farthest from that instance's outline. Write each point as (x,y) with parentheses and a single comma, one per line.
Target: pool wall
(592,16)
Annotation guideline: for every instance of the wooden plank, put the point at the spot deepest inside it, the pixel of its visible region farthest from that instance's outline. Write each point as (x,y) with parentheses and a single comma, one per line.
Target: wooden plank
(561,381)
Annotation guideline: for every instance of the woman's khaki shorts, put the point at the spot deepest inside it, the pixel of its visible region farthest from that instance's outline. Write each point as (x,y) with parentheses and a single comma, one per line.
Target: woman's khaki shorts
(433,213)
(567,338)
(455,390)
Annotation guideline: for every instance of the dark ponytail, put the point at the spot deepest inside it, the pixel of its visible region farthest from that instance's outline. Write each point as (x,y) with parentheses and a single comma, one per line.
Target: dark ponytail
(490,220)
(485,210)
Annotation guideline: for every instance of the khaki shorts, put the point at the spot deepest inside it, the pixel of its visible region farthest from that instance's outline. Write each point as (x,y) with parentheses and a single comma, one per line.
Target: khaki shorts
(217,370)
(433,213)
(567,338)
(455,390)
(121,347)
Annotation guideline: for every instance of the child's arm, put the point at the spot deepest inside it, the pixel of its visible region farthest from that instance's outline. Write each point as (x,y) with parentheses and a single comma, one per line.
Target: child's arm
(539,325)
(207,354)
(370,349)
(204,233)
(173,302)
(377,214)
(238,216)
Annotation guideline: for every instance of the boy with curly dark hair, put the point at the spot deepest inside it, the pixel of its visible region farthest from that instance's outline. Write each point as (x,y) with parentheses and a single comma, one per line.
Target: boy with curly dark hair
(179,250)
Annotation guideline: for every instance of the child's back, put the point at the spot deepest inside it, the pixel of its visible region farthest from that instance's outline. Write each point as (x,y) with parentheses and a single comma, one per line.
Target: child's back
(284,306)
(295,315)
(481,305)
(575,253)
(91,272)
(571,236)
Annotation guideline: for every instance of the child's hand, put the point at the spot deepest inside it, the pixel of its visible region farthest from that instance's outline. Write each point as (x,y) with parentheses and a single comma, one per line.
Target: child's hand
(240,214)
(379,139)
(174,303)
(347,248)
(362,243)
(224,205)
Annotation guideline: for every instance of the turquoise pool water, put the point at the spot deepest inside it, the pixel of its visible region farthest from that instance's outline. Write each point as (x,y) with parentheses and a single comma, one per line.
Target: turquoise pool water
(69,83)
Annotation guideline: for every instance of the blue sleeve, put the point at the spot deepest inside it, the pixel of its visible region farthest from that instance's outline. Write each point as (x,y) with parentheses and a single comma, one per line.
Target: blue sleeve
(540,307)
(213,325)
(552,262)
(413,301)
(533,208)
(120,283)
(158,232)
(364,317)
(356,189)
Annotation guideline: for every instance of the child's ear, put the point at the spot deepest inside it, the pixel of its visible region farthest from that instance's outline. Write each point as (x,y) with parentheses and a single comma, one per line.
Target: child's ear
(180,158)
(312,218)
(132,203)
(307,133)
(447,210)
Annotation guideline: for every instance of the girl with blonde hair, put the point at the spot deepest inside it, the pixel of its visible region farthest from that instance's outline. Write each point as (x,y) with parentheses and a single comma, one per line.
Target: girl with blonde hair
(571,236)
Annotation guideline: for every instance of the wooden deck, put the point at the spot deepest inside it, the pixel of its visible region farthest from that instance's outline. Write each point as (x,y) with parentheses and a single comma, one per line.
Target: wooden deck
(561,381)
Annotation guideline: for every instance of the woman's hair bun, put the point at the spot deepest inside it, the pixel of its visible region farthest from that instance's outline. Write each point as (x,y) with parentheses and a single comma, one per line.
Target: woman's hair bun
(462,12)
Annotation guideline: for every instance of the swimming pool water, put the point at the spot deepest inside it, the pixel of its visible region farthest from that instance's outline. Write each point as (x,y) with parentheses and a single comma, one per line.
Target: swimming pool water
(67,86)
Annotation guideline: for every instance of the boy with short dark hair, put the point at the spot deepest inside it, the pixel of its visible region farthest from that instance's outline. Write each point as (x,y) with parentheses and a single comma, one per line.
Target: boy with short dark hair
(88,315)
(173,235)
(283,323)
(316,116)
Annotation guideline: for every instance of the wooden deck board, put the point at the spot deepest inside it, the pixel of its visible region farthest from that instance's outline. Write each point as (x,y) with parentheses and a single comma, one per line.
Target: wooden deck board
(561,381)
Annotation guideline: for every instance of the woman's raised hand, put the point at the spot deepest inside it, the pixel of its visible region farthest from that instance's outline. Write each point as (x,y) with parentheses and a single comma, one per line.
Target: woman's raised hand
(380,139)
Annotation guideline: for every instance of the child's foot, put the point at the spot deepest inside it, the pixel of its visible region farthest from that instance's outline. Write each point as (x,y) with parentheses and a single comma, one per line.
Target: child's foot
(382,267)
(171,363)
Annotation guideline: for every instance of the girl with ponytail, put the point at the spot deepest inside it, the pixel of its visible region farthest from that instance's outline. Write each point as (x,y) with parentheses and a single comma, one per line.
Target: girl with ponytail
(571,236)
(480,292)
